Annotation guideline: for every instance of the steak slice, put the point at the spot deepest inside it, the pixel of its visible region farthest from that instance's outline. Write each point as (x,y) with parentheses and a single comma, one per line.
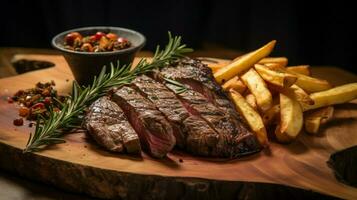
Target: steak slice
(233,141)
(192,133)
(107,124)
(155,132)
(200,78)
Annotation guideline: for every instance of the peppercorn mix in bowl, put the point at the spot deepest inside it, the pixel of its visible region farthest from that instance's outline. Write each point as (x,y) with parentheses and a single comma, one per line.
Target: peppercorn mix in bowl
(88,49)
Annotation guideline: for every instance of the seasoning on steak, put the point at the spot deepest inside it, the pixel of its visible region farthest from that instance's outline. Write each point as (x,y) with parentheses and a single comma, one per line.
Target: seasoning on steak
(234,139)
(107,124)
(200,78)
(192,132)
(155,132)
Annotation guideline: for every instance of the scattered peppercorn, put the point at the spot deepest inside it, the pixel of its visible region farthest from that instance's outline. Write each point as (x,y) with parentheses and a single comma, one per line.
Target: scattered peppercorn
(18,122)
(38,100)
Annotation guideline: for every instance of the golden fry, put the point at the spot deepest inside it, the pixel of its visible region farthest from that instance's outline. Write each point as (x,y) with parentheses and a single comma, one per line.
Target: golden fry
(291,119)
(216,66)
(336,95)
(310,84)
(258,88)
(294,91)
(244,63)
(301,69)
(315,118)
(275,77)
(250,98)
(252,117)
(271,116)
(279,61)
(236,84)
(301,96)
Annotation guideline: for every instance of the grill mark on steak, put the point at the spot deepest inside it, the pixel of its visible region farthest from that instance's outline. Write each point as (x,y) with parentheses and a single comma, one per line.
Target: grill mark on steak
(200,78)
(165,102)
(107,124)
(191,132)
(234,139)
(155,132)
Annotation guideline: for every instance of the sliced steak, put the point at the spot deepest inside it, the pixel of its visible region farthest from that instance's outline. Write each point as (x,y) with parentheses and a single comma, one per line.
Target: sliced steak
(234,140)
(155,132)
(109,127)
(200,78)
(192,133)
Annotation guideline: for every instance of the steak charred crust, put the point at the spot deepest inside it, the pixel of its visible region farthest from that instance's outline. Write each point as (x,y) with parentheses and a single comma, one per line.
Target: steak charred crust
(200,78)
(155,132)
(192,133)
(234,139)
(109,127)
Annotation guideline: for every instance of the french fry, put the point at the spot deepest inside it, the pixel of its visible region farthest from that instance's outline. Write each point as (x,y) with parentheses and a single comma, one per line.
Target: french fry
(301,69)
(310,84)
(271,116)
(294,91)
(291,119)
(280,61)
(275,77)
(301,96)
(216,66)
(244,63)
(250,98)
(274,66)
(236,84)
(315,118)
(258,88)
(252,117)
(336,95)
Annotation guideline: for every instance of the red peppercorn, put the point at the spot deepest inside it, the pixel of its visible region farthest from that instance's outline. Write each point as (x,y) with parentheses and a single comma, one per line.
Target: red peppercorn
(38,105)
(18,122)
(47,100)
(99,35)
(70,37)
(10,100)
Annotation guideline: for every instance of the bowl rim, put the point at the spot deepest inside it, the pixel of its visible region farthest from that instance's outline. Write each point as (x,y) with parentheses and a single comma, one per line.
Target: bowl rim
(127,50)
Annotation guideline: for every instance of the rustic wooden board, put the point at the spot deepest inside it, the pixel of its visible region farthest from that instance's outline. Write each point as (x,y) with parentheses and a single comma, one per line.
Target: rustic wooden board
(80,165)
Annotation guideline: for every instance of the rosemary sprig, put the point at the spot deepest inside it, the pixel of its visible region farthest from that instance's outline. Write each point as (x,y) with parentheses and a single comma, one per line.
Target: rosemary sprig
(50,131)
(180,88)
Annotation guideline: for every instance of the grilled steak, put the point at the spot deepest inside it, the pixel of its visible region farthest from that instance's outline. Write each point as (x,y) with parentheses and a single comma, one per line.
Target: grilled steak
(191,132)
(234,139)
(197,115)
(200,78)
(107,124)
(155,132)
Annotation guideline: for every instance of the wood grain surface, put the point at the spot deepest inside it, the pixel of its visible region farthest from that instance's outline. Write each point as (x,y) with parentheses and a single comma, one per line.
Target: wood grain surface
(80,165)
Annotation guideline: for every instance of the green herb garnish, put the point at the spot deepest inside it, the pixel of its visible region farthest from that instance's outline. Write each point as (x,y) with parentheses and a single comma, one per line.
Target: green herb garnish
(179,87)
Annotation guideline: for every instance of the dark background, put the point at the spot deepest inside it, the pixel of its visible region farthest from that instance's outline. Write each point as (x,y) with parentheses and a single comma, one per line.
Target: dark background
(320,34)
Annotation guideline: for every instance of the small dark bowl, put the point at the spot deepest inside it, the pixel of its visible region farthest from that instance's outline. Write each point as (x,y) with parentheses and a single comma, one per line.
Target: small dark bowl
(86,65)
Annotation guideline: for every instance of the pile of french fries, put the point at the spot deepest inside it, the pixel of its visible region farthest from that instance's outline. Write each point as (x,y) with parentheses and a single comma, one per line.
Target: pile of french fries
(270,95)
